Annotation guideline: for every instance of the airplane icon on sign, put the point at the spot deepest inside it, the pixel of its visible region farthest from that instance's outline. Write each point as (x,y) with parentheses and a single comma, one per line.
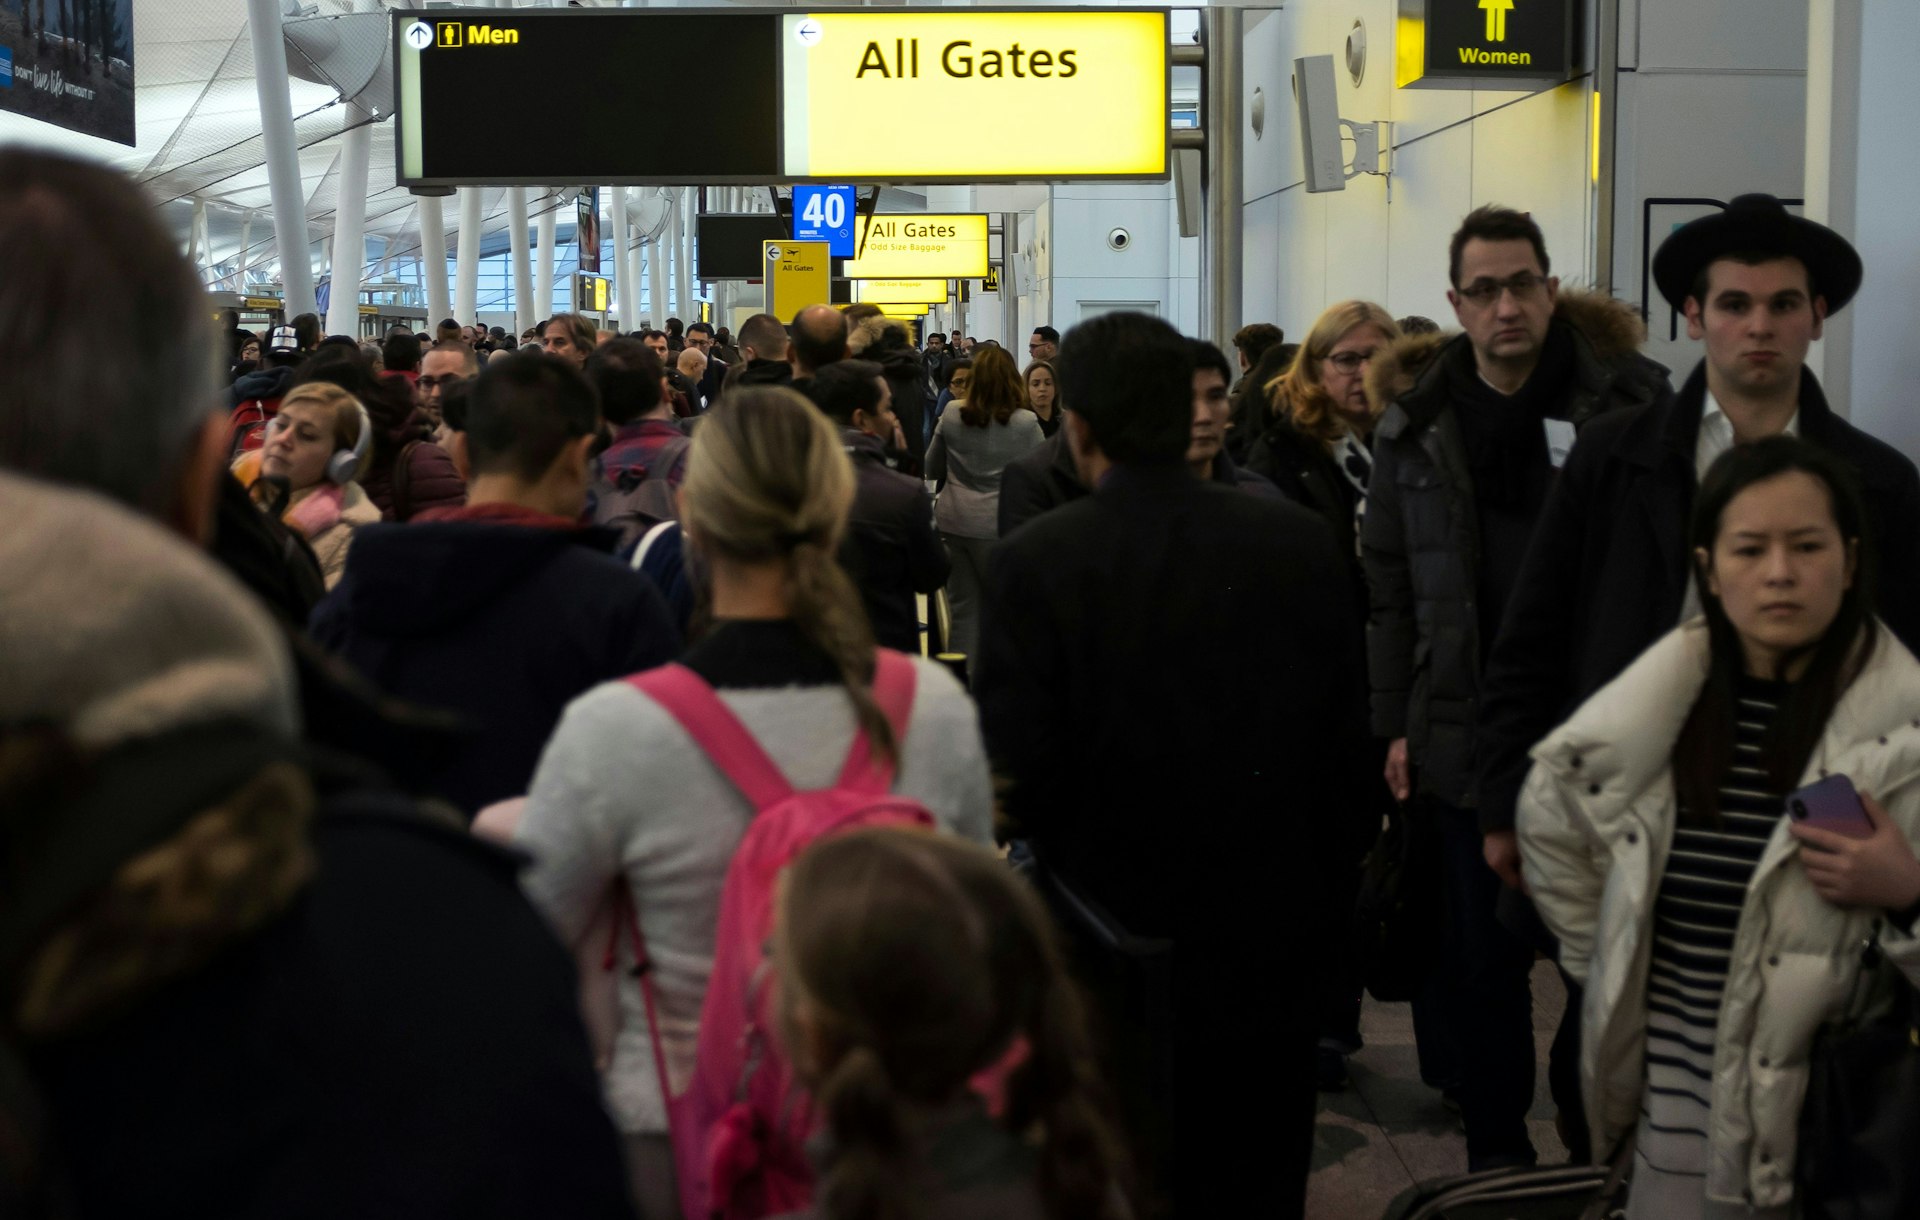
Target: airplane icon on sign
(1496,18)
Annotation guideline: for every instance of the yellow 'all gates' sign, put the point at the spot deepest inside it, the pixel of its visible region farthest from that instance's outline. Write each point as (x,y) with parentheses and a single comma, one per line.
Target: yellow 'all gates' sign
(1065,93)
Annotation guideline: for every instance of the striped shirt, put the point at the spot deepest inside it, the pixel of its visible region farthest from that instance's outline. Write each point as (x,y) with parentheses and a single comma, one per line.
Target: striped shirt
(1695,917)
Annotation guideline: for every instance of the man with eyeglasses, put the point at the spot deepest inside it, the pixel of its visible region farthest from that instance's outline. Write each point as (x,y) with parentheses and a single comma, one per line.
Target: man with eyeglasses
(1044,344)
(700,338)
(445,364)
(1608,573)
(1463,459)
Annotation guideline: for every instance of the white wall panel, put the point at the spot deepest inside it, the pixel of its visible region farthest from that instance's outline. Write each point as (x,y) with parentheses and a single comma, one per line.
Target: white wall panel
(1748,35)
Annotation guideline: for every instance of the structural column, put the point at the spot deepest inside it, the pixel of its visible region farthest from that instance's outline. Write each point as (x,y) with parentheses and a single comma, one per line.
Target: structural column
(657,276)
(627,267)
(466,260)
(543,266)
(617,226)
(1861,107)
(1221,304)
(240,259)
(283,156)
(683,254)
(523,307)
(433,259)
(350,231)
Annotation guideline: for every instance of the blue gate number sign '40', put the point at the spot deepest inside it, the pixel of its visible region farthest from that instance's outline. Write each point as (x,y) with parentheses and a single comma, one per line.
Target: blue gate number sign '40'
(825,213)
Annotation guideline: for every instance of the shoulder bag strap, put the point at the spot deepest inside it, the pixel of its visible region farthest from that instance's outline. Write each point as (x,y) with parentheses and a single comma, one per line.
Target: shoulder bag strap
(646,543)
(894,681)
(717,731)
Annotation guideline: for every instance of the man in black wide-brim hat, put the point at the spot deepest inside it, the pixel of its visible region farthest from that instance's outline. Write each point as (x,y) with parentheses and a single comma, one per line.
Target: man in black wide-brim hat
(1606,573)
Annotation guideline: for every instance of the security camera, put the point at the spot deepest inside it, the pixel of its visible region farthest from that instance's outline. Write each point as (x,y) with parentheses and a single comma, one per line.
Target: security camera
(1119,239)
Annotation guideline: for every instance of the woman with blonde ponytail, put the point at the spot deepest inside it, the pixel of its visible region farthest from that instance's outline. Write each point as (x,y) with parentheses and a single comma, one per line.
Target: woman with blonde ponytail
(624,792)
(908,966)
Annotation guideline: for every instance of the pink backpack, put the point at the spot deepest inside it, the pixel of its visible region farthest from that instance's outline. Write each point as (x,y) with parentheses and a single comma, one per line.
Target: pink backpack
(740,1128)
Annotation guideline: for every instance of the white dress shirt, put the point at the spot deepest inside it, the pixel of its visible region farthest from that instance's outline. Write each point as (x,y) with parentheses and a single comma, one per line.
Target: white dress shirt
(1716,437)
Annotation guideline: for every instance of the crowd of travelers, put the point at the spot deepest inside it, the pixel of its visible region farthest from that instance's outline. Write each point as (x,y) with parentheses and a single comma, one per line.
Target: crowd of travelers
(489,775)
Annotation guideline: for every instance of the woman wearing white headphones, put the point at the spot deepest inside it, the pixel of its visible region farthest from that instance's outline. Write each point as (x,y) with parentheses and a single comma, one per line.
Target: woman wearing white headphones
(313,452)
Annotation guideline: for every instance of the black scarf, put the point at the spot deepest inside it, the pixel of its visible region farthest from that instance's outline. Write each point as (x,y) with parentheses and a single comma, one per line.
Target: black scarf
(1505,441)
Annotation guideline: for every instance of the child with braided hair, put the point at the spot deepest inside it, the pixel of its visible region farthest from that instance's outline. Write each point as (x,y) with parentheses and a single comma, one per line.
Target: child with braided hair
(909,964)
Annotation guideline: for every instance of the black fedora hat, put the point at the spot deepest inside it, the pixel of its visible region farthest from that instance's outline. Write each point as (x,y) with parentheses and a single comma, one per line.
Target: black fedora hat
(1758,224)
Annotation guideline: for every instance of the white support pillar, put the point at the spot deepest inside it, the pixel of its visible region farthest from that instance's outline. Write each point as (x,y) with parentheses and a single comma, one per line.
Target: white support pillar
(617,227)
(1861,108)
(683,302)
(524,314)
(628,268)
(466,261)
(282,155)
(240,259)
(657,279)
(433,259)
(543,263)
(197,243)
(350,232)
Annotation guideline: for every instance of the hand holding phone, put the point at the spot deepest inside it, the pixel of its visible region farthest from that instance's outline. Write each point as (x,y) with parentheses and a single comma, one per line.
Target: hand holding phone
(1833,805)
(1875,870)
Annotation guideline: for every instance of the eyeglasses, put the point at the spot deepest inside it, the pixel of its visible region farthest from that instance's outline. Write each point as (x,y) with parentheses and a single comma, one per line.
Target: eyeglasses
(1524,286)
(441,382)
(1349,362)
(1034,345)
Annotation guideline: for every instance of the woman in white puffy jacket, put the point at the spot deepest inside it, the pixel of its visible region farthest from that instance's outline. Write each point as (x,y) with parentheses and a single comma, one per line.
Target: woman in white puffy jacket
(1715,933)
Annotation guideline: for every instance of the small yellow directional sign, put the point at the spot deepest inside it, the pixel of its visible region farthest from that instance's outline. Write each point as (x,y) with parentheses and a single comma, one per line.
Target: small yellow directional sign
(799,274)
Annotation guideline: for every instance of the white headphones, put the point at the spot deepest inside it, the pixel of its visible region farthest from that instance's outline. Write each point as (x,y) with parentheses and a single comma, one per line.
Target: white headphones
(345,463)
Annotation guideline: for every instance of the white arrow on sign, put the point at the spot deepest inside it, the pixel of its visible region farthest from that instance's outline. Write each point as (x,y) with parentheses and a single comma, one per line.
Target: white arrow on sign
(808,33)
(419,36)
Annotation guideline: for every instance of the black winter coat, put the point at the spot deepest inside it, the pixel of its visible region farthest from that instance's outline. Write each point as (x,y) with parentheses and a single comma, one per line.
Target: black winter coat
(404,1039)
(1606,574)
(1042,480)
(887,345)
(504,624)
(1421,543)
(890,550)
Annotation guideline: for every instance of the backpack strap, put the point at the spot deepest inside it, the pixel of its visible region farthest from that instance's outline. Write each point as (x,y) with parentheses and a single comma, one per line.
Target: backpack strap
(717,731)
(646,543)
(894,679)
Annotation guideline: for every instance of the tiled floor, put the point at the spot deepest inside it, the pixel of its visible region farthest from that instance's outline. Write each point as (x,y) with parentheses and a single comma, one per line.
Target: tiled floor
(1387,1130)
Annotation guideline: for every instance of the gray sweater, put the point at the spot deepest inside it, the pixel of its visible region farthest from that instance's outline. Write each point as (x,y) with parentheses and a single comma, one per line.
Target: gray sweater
(971,459)
(622,788)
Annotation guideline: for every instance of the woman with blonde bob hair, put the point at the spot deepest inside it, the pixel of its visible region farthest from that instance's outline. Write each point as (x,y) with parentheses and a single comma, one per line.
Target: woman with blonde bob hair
(1314,447)
(308,469)
(623,793)
(1315,444)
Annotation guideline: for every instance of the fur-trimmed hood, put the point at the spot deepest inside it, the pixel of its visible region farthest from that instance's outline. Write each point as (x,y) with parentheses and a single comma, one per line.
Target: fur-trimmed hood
(1613,330)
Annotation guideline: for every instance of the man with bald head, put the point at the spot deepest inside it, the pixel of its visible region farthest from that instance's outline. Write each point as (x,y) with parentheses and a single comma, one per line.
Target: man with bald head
(817,338)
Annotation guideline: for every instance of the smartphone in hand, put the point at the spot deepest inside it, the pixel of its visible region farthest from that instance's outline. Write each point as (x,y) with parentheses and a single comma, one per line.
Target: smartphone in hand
(1832,804)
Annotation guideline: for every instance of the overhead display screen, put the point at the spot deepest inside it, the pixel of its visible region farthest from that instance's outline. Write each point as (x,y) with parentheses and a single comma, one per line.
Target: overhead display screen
(824,95)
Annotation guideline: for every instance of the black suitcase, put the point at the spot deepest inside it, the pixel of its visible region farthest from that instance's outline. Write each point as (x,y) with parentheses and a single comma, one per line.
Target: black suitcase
(1564,1192)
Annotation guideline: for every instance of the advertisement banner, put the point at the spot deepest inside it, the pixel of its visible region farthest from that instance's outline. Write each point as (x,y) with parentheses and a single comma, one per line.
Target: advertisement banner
(587,214)
(70,63)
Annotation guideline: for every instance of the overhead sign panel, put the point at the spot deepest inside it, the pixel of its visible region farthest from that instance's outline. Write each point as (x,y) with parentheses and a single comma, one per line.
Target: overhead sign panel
(901,292)
(798,275)
(831,96)
(825,213)
(1067,93)
(1485,44)
(911,245)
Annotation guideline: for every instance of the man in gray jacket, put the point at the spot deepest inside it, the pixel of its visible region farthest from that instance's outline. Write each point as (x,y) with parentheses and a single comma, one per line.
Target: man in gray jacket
(1464,455)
